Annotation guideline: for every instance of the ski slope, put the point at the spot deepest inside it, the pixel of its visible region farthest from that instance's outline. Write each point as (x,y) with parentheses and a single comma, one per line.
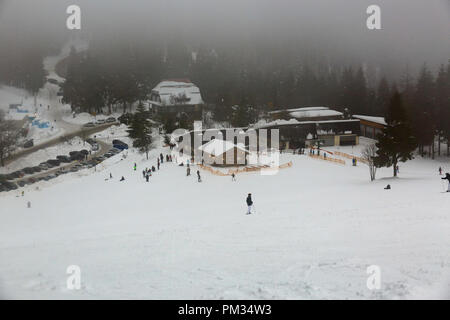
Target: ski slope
(317,228)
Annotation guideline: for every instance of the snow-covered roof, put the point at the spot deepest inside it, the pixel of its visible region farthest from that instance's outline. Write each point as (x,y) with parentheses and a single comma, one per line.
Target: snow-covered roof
(315,113)
(379,120)
(281,122)
(177,92)
(217,147)
(299,109)
(310,112)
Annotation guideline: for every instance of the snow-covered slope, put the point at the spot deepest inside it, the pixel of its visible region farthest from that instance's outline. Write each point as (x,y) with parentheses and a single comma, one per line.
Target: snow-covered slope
(317,228)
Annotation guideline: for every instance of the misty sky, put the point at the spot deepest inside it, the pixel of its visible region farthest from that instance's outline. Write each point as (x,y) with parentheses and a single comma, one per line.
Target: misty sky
(414,31)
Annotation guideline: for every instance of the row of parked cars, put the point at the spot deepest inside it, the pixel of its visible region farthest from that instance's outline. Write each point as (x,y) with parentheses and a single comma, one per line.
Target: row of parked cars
(99,122)
(6,183)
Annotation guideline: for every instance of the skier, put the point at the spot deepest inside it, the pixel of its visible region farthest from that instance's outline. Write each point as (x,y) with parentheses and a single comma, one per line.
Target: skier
(440,171)
(388,187)
(167,158)
(134,166)
(447,177)
(143,173)
(110,175)
(122,179)
(249,203)
(153,168)
(147,177)
(233,177)
(161,157)
(188,171)
(198,176)
(158,164)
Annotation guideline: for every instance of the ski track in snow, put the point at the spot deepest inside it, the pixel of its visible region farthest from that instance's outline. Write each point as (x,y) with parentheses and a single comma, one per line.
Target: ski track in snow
(318,227)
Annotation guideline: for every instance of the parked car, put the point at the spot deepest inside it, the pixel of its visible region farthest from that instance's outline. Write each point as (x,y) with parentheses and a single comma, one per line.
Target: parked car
(89,125)
(28,143)
(9,185)
(21,183)
(84,152)
(52,81)
(90,141)
(121,146)
(125,118)
(2,188)
(118,144)
(37,169)
(100,121)
(95,147)
(111,120)
(64,159)
(17,174)
(54,162)
(28,170)
(43,165)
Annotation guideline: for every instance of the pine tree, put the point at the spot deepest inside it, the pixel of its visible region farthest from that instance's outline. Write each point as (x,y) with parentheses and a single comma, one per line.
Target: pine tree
(396,142)
(140,131)
(424,122)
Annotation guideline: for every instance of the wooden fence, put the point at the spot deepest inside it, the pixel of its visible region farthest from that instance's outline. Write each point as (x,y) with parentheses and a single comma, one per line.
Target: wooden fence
(315,156)
(349,156)
(245,169)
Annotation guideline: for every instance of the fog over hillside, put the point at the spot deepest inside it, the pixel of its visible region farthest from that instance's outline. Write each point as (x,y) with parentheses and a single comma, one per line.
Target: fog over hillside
(413,31)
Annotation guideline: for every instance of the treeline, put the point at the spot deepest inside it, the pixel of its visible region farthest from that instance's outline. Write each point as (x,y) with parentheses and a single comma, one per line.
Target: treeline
(100,79)
(22,67)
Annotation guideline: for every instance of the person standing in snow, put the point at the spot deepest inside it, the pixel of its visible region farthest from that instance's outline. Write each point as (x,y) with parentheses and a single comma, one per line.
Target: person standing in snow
(249,203)
(143,173)
(198,176)
(188,171)
(447,177)
(158,163)
(233,177)
(147,177)
(135,166)
(161,157)
(110,175)
(440,171)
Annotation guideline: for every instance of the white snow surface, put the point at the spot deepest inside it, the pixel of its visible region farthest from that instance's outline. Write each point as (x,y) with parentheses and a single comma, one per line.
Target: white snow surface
(315,113)
(168,90)
(379,120)
(316,228)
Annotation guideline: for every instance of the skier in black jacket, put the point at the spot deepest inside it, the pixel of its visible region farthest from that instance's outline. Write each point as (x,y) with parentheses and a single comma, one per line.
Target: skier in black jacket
(447,177)
(249,203)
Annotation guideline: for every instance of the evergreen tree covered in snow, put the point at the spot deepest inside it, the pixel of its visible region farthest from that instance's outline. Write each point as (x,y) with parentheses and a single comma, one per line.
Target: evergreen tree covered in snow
(396,142)
(140,131)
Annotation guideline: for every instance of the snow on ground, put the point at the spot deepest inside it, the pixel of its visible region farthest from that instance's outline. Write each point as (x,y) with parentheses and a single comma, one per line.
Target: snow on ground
(117,132)
(317,228)
(85,117)
(42,155)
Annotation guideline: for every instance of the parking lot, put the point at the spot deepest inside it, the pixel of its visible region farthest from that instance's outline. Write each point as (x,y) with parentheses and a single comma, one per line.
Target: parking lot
(75,161)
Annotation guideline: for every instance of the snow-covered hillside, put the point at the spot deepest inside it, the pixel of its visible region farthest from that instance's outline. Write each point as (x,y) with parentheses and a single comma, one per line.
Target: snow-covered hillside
(317,228)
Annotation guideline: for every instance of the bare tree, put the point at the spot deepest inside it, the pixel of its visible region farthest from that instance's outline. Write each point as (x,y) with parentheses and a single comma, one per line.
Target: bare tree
(368,154)
(9,137)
